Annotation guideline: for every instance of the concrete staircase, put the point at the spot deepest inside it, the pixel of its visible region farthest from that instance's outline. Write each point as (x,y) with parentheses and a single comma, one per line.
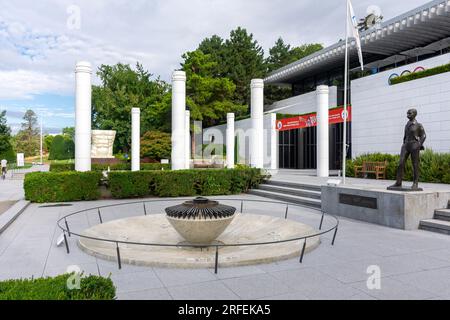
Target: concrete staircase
(307,195)
(440,222)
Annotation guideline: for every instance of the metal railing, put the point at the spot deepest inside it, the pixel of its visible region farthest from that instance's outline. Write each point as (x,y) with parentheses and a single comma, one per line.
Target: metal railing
(63,224)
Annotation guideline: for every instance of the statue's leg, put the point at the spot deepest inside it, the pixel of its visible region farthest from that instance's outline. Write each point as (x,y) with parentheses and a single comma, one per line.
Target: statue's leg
(415,158)
(404,154)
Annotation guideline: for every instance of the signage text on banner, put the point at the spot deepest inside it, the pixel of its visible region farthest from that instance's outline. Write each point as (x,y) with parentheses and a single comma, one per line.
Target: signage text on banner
(310,120)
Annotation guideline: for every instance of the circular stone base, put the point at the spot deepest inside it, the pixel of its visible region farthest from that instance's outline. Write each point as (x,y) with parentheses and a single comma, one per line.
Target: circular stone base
(245,228)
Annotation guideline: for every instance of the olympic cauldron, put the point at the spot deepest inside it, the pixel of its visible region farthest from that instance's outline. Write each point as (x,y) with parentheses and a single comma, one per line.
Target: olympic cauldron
(200,221)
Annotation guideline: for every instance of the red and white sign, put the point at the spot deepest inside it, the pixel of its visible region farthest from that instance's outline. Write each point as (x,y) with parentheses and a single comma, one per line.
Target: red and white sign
(310,120)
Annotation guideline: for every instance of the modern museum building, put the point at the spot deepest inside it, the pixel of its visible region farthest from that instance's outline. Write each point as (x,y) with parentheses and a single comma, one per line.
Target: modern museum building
(413,42)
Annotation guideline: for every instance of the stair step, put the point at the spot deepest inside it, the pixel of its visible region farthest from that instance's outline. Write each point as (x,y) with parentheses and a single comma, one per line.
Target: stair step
(287,198)
(290,191)
(312,187)
(435,225)
(442,214)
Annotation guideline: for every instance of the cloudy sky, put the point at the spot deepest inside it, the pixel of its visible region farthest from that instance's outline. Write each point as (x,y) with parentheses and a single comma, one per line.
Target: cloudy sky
(41,41)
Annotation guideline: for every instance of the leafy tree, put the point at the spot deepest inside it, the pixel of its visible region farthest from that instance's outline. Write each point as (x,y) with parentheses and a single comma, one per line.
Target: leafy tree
(6,149)
(62,148)
(209,98)
(69,132)
(27,139)
(122,89)
(156,145)
(48,140)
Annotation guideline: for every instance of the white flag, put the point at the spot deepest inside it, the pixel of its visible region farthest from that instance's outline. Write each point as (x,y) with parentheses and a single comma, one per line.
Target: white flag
(355,33)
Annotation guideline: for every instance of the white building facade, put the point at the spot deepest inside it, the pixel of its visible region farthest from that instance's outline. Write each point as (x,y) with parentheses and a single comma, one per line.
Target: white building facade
(414,41)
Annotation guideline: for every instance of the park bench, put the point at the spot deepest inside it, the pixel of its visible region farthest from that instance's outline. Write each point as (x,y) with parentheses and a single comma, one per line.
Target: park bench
(378,168)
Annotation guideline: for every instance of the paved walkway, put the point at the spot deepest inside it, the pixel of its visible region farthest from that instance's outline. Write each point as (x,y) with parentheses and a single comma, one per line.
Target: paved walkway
(413,264)
(308,177)
(12,187)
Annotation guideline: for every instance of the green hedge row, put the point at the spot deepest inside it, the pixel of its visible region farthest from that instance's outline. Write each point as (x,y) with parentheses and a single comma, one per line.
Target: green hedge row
(73,186)
(421,74)
(183,183)
(62,167)
(62,186)
(434,166)
(55,288)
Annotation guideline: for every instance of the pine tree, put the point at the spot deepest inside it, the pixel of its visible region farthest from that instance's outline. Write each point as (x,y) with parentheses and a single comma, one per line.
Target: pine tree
(244,61)
(28,137)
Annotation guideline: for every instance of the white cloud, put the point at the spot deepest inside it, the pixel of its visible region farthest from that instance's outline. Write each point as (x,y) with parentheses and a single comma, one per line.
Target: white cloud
(23,84)
(38,51)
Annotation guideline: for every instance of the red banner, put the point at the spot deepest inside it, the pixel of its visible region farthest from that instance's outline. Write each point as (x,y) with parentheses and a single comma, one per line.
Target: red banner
(310,120)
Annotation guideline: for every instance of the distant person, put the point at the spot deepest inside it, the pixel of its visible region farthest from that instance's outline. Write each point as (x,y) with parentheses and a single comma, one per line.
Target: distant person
(4,163)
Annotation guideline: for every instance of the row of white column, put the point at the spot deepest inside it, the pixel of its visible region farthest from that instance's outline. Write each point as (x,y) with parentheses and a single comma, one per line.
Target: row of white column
(83,71)
(181,152)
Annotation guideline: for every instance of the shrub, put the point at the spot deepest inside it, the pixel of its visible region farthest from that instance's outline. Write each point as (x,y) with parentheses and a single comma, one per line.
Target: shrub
(156,145)
(62,148)
(434,166)
(421,74)
(61,167)
(9,155)
(55,288)
(61,186)
(183,182)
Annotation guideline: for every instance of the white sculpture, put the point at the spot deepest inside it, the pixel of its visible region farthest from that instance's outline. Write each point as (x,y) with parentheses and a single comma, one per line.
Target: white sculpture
(102,143)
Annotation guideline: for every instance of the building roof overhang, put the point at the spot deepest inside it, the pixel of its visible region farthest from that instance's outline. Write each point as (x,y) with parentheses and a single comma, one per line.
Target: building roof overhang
(425,29)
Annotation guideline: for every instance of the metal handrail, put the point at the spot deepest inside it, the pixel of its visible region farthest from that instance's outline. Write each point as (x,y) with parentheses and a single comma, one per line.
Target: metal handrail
(65,228)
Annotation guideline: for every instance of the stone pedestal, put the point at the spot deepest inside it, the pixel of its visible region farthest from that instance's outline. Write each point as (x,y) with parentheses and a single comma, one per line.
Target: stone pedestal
(102,144)
(404,189)
(396,209)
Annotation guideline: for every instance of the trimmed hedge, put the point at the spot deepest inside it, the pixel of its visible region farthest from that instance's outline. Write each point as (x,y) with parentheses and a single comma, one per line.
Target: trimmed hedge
(62,186)
(421,74)
(63,167)
(55,288)
(183,182)
(434,166)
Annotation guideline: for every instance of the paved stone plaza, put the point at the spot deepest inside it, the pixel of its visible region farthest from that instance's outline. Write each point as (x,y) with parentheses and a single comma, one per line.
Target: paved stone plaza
(414,264)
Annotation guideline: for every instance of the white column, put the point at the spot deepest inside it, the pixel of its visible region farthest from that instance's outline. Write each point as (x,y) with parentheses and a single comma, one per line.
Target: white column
(273,142)
(83,72)
(135,139)
(187,139)
(230,140)
(322,131)
(178,119)
(257,137)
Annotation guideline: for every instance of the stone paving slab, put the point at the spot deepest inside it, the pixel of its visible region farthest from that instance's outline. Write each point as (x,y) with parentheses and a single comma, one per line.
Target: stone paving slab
(8,217)
(413,264)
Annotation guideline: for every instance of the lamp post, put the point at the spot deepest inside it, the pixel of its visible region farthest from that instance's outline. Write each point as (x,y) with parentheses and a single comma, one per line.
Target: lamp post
(41,143)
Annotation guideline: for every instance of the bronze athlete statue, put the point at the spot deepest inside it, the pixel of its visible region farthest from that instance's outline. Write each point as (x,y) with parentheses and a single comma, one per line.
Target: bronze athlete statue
(412,144)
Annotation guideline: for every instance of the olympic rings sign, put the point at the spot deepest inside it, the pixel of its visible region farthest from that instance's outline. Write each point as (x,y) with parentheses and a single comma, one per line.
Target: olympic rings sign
(404,73)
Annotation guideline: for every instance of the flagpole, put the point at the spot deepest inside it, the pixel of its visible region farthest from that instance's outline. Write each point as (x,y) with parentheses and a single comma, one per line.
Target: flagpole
(344,136)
